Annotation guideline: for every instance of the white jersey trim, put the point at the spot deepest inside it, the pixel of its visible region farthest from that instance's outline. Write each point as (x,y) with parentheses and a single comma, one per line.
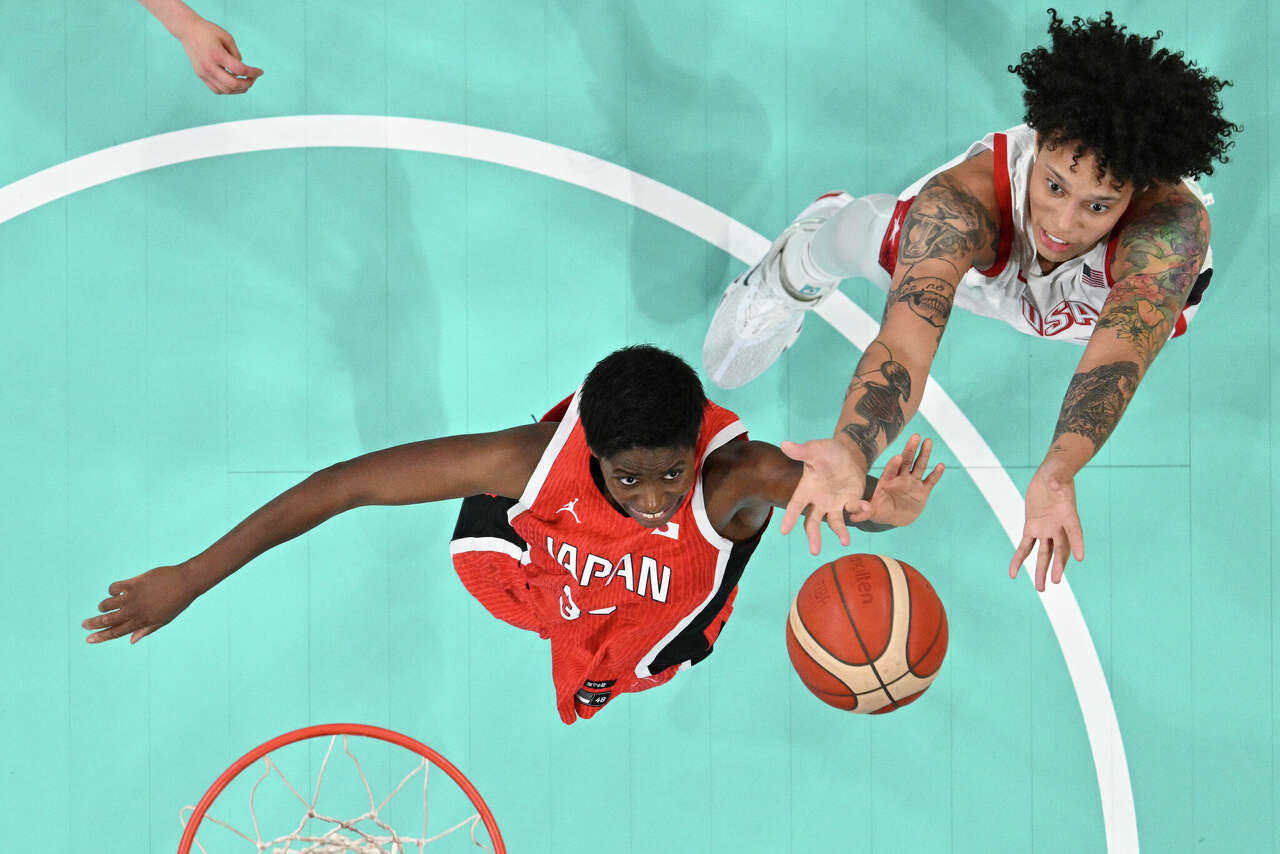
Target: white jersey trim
(554,447)
(723,546)
(486,544)
(709,532)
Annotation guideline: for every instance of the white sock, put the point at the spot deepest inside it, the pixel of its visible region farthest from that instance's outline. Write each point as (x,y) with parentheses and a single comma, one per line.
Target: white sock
(801,277)
(848,244)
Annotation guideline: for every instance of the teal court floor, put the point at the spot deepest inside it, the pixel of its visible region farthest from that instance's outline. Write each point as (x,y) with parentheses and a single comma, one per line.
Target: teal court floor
(186,341)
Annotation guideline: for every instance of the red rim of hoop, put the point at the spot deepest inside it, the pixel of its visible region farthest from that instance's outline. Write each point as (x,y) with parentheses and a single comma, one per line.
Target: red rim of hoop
(319,731)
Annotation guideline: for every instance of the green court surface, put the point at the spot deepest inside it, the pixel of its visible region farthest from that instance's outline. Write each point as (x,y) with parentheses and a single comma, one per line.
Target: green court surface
(182,343)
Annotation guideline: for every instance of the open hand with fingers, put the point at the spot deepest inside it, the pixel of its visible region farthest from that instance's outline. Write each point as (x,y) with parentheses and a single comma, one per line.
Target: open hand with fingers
(904,487)
(138,606)
(833,482)
(1052,522)
(216,59)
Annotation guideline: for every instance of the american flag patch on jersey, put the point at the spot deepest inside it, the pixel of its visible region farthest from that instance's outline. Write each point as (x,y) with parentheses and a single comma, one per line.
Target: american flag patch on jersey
(1093,278)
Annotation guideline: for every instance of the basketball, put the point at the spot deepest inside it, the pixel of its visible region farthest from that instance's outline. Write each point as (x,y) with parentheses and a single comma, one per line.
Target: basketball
(867,633)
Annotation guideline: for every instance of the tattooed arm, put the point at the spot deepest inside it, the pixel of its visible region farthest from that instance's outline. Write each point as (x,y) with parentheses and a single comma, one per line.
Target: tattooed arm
(949,228)
(1158,256)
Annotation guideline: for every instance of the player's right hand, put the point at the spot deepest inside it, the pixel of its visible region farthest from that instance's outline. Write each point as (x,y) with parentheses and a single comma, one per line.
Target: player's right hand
(138,606)
(216,59)
(833,481)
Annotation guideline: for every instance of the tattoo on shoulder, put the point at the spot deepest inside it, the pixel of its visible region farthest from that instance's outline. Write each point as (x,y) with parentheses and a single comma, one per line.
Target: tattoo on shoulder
(946,221)
(945,228)
(1159,260)
(1168,233)
(1095,401)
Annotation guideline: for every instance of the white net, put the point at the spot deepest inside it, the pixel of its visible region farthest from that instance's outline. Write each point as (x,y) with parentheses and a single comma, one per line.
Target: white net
(323,829)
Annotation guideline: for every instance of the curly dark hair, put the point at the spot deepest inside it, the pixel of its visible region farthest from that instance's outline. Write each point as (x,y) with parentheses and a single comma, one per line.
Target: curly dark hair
(1146,115)
(641,397)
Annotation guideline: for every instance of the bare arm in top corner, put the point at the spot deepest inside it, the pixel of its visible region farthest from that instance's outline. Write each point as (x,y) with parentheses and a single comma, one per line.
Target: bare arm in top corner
(211,50)
(455,467)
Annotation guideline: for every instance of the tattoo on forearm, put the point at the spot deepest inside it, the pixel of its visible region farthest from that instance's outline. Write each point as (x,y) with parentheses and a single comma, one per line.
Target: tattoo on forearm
(1143,306)
(864,436)
(1095,401)
(883,389)
(928,296)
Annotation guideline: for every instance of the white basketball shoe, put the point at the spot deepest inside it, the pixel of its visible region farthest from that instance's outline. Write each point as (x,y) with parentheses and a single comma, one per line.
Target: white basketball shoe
(762,311)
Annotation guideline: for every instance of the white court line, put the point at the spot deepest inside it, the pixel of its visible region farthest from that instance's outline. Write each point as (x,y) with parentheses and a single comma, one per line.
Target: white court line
(716,228)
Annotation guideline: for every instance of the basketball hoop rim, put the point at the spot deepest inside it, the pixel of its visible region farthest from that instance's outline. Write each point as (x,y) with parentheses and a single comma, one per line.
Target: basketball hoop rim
(321,731)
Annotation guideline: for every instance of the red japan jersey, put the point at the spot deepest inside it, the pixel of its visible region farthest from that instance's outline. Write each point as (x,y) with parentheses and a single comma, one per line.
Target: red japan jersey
(625,606)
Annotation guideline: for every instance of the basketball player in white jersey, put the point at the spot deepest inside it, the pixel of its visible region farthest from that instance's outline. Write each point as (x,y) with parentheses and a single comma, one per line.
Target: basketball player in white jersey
(1077,225)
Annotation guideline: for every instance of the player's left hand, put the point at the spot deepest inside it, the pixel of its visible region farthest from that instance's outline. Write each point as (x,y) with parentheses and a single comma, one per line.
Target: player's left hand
(1053,523)
(832,483)
(903,488)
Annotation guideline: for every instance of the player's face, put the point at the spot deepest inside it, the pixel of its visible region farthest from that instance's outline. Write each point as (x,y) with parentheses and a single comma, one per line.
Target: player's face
(1071,208)
(649,484)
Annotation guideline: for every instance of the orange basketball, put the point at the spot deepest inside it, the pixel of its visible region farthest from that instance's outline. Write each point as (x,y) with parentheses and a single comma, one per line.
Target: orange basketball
(867,633)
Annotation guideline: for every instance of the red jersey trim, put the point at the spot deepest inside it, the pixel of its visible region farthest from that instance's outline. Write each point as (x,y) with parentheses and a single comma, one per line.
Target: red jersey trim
(1004,201)
(557,412)
(1180,326)
(1112,242)
(892,236)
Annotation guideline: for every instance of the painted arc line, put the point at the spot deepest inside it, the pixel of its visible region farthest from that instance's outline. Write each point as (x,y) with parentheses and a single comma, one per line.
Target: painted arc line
(699,219)
(984,468)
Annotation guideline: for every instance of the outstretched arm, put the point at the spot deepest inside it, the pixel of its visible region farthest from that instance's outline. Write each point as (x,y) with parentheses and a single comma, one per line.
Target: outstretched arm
(211,50)
(745,480)
(454,467)
(1159,254)
(948,229)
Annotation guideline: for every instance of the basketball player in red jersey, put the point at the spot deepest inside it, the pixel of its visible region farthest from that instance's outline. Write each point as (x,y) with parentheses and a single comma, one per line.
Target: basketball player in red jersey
(617,527)
(1080,225)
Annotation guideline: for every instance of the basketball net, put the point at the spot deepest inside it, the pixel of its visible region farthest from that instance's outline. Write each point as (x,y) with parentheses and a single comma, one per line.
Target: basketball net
(365,831)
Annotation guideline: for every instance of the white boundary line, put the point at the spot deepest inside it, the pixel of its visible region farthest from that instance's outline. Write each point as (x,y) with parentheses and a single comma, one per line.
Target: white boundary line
(716,228)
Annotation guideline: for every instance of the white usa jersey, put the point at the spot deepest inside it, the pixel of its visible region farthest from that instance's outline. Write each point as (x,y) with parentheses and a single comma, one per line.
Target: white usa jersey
(1063,304)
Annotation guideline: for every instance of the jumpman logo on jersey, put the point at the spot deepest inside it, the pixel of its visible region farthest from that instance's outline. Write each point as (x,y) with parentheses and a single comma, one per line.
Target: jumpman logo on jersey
(568,508)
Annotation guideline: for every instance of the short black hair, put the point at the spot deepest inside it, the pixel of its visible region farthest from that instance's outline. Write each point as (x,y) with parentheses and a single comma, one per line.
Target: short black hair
(641,397)
(1147,115)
